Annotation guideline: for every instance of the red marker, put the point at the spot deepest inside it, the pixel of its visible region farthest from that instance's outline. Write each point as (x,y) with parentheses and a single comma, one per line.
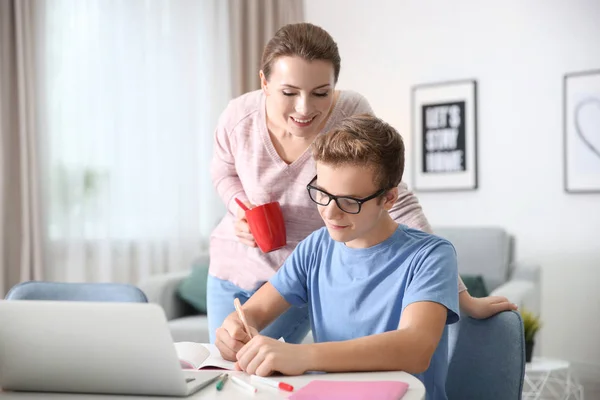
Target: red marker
(271,382)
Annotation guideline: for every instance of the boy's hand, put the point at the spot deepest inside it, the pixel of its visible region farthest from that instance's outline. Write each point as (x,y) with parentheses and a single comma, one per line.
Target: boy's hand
(262,356)
(242,229)
(231,337)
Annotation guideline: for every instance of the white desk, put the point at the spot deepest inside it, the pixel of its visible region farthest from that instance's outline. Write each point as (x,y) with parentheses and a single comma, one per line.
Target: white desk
(231,391)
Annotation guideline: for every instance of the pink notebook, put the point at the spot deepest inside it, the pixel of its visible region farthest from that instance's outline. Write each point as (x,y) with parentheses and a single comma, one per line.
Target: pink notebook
(351,390)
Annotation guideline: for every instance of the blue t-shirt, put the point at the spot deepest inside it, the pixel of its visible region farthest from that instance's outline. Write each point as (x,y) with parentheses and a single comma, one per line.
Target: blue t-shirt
(360,292)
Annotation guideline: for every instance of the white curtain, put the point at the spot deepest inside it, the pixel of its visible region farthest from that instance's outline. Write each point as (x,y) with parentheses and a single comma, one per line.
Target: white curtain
(130,94)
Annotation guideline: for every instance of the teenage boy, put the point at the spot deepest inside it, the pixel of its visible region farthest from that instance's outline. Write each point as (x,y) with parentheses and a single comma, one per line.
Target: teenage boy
(380,294)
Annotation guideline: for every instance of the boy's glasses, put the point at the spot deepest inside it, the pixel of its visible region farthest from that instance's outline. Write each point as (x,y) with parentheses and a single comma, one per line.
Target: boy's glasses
(350,205)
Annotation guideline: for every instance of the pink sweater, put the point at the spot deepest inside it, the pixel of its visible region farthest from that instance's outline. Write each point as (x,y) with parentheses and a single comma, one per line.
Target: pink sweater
(246,165)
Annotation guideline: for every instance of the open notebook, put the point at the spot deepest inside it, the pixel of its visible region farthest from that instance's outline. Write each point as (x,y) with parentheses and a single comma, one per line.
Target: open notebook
(201,356)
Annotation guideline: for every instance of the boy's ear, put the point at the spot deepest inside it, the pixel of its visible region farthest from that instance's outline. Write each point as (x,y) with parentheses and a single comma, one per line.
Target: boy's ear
(390,198)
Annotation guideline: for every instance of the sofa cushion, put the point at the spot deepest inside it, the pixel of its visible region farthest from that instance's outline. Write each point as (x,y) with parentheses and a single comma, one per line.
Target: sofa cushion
(485,251)
(192,289)
(475,285)
(190,329)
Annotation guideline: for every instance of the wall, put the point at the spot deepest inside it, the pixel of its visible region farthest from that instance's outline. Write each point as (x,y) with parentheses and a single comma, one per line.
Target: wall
(518,51)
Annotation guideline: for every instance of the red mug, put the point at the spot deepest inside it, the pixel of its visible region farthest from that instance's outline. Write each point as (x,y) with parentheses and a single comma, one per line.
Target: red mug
(267,226)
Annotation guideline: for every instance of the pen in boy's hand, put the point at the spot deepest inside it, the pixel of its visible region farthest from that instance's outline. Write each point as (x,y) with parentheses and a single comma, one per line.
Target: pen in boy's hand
(241,316)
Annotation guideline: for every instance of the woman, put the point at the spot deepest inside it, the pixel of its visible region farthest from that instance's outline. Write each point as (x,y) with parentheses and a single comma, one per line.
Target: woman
(261,155)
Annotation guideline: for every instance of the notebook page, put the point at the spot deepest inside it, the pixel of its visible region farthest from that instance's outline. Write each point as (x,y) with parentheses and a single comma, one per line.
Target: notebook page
(214,358)
(191,355)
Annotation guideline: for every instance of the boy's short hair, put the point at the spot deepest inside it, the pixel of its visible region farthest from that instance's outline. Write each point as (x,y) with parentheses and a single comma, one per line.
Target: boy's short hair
(364,140)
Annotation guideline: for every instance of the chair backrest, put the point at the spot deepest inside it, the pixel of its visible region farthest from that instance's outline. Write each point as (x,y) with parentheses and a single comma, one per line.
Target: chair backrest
(62,291)
(487,358)
(485,251)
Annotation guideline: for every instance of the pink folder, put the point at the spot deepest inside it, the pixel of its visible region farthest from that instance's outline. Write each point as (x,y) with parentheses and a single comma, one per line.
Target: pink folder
(351,390)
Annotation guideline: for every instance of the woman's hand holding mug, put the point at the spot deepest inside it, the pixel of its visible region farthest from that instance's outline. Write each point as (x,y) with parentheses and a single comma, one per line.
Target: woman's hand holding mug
(242,229)
(261,226)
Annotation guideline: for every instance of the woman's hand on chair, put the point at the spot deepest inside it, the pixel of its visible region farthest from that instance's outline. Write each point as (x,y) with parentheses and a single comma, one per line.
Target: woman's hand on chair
(485,307)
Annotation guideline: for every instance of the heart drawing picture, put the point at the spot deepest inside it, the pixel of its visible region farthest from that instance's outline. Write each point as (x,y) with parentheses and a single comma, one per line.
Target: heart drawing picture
(587,131)
(581,132)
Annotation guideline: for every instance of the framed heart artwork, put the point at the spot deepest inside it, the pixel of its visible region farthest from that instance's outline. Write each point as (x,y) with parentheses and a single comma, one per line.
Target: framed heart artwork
(581,108)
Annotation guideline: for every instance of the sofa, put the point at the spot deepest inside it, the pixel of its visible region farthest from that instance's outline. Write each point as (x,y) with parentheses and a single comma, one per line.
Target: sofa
(489,252)
(482,251)
(185,323)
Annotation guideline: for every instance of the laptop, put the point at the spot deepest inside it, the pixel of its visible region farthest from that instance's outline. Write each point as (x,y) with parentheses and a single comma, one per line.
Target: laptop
(87,347)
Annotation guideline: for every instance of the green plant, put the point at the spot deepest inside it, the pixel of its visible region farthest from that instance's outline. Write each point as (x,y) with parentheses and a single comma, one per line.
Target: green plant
(531,324)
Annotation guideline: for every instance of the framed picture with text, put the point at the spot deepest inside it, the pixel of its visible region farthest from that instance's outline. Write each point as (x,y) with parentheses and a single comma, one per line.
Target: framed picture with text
(581,103)
(444,128)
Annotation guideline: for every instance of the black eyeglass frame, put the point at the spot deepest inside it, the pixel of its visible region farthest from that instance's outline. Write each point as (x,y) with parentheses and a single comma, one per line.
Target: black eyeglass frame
(335,198)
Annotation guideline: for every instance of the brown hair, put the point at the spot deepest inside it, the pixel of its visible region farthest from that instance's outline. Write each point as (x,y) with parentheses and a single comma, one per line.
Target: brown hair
(304,40)
(364,140)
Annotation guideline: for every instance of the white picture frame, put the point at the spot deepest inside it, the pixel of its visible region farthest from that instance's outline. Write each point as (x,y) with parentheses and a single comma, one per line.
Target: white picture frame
(581,132)
(444,129)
